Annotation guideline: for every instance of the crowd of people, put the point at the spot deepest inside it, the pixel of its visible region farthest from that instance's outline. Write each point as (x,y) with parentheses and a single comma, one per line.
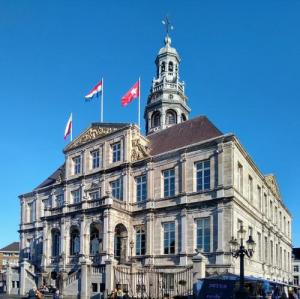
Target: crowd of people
(39,293)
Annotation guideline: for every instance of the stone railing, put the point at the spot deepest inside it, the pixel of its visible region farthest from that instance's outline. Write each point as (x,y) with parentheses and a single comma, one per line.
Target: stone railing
(98,269)
(72,277)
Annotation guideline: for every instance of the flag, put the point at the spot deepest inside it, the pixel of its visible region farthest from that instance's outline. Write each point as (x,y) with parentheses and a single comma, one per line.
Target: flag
(133,93)
(68,129)
(95,91)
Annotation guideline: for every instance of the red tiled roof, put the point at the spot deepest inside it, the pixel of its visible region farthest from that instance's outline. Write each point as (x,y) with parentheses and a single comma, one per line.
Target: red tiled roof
(192,131)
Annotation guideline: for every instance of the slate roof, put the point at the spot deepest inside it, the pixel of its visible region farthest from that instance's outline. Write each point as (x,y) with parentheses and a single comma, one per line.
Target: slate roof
(53,177)
(191,131)
(296,253)
(11,247)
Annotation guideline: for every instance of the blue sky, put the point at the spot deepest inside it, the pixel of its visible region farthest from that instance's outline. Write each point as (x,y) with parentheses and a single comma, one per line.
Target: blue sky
(240,62)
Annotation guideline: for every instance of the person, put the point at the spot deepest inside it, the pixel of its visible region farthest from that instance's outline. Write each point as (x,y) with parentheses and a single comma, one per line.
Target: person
(31,294)
(120,294)
(56,295)
(283,295)
(38,294)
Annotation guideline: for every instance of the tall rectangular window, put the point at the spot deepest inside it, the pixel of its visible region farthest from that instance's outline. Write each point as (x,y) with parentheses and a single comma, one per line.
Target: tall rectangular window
(117,189)
(259,246)
(169,182)
(116,152)
(250,188)
(203,175)
(76,196)
(266,249)
(280,220)
(95,159)
(203,234)
(169,237)
(259,198)
(31,211)
(296,268)
(284,224)
(60,200)
(141,188)
(271,253)
(266,204)
(140,241)
(288,228)
(240,177)
(77,164)
(271,210)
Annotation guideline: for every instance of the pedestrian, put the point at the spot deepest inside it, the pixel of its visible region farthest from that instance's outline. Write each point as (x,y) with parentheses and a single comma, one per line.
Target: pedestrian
(120,294)
(56,295)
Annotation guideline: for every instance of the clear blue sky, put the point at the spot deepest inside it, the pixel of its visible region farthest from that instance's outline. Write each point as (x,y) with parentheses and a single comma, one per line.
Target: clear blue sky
(240,62)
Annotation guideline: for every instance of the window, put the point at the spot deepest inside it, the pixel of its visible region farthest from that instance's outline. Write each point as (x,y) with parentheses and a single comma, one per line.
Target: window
(240,177)
(271,210)
(77,164)
(203,234)
(55,243)
(74,242)
(60,200)
(250,188)
(169,182)
(284,224)
(141,188)
(116,152)
(94,195)
(203,175)
(259,246)
(271,253)
(169,237)
(94,287)
(266,249)
(95,159)
(155,119)
(31,211)
(259,198)
(280,220)
(140,241)
(288,228)
(170,117)
(296,268)
(76,196)
(266,204)
(296,280)
(117,189)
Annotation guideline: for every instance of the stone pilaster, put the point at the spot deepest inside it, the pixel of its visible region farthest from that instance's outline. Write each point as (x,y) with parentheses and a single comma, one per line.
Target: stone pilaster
(183,257)
(85,278)
(83,235)
(149,236)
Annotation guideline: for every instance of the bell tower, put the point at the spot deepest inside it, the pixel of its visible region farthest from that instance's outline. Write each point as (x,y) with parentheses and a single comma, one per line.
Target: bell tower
(167,102)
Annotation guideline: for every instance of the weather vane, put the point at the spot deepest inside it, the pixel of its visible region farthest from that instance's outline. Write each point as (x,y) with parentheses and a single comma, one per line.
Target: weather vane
(166,22)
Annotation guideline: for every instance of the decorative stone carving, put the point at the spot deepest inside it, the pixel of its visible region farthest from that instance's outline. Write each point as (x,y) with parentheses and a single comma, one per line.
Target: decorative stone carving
(271,182)
(61,176)
(91,134)
(139,151)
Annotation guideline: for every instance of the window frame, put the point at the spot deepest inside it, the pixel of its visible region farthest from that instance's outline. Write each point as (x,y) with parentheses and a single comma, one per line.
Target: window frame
(141,187)
(169,187)
(77,165)
(201,185)
(169,243)
(95,155)
(116,152)
(117,190)
(140,240)
(205,223)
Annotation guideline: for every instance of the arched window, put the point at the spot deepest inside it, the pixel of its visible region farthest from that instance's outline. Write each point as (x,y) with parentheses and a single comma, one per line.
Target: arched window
(183,118)
(74,241)
(163,67)
(156,119)
(171,117)
(170,68)
(120,246)
(94,240)
(55,242)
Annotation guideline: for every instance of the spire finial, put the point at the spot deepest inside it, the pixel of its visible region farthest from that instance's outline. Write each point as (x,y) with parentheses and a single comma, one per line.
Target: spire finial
(166,22)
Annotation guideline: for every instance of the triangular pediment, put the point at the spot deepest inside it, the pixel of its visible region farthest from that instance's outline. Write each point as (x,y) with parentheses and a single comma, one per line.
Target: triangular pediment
(272,183)
(95,131)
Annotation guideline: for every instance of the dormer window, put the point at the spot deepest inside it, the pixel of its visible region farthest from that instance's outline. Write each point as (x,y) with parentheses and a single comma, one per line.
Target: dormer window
(116,152)
(95,159)
(77,164)
(60,200)
(156,119)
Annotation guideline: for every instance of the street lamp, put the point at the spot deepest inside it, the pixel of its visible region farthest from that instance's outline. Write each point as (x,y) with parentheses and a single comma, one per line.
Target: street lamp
(239,250)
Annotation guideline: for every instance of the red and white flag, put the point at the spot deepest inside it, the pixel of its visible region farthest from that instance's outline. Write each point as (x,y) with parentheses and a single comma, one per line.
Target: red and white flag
(95,91)
(68,129)
(133,93)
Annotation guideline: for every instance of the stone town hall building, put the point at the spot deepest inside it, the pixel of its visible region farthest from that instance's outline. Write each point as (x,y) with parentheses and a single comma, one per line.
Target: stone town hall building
(122,196)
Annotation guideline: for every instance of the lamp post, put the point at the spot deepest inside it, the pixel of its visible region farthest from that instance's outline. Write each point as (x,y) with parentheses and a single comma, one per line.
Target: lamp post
(238,250)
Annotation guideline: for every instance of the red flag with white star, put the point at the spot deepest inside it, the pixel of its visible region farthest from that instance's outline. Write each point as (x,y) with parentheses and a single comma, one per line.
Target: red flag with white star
(132,94)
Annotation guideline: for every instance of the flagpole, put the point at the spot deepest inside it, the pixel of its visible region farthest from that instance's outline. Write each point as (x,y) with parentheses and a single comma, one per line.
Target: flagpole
(101,104)
(139,104)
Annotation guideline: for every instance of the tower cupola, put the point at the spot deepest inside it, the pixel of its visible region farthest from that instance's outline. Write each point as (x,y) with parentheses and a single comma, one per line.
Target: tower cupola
(167,102)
